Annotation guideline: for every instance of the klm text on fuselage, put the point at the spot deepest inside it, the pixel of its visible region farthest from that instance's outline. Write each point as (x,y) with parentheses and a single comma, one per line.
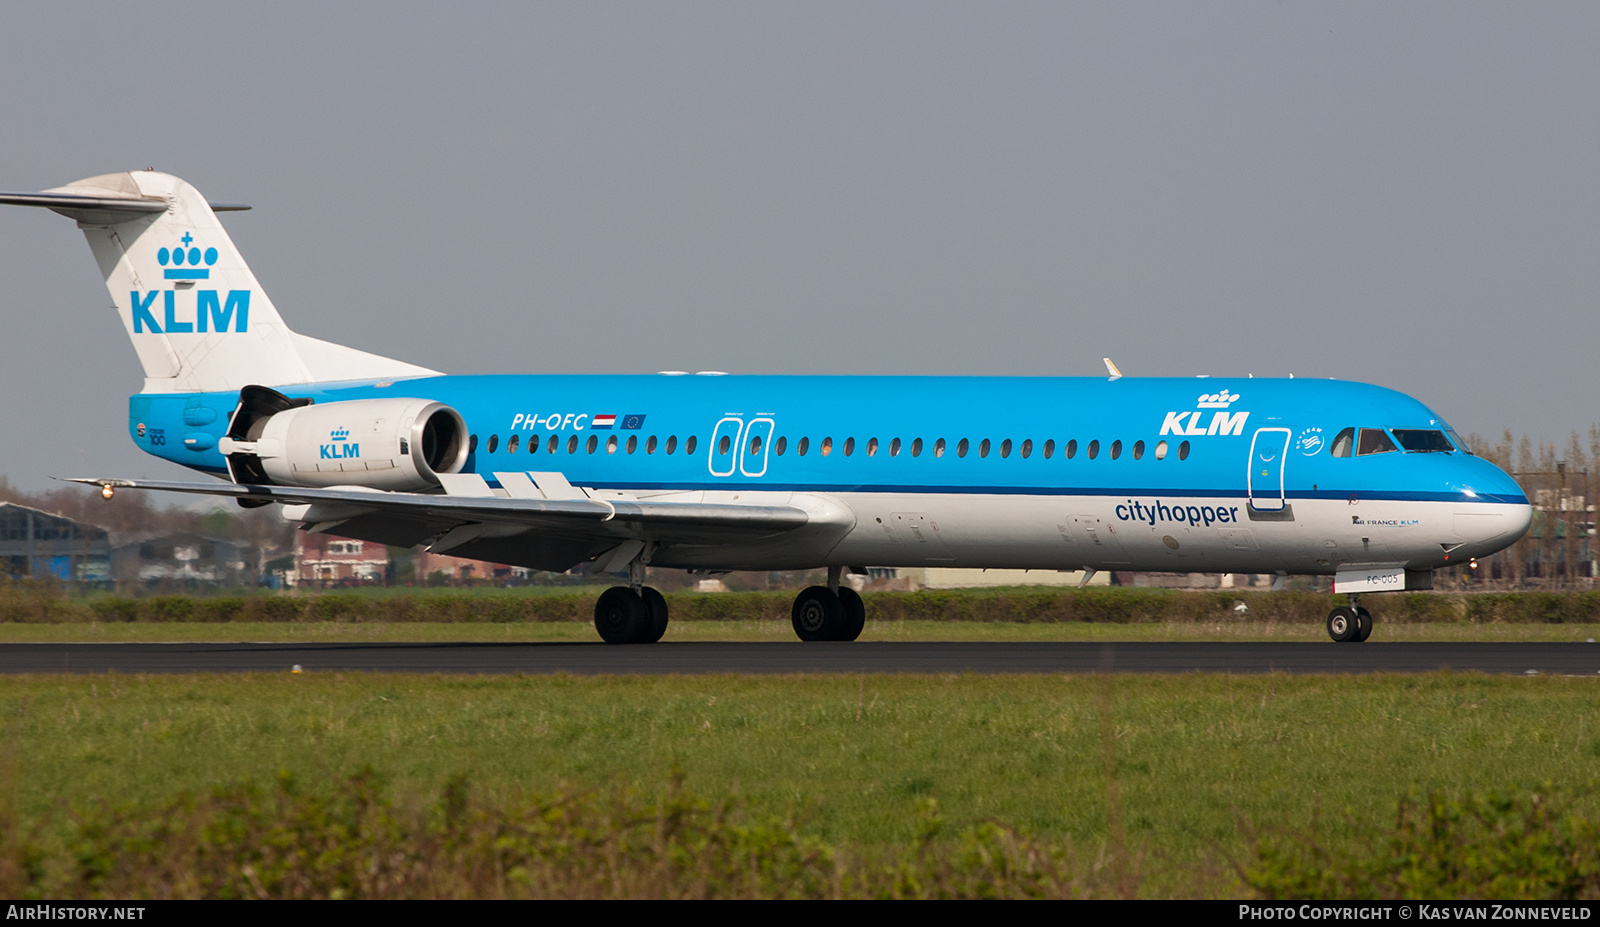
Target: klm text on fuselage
(210,312)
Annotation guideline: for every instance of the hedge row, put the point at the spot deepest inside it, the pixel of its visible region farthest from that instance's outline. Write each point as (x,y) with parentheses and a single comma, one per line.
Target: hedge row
(1118,606)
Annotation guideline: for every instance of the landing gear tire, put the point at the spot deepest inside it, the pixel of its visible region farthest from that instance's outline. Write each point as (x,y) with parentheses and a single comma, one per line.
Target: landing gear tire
(855,614)
(818,614)
(1343,625)
(656,607)
(621,616)
(1363,625)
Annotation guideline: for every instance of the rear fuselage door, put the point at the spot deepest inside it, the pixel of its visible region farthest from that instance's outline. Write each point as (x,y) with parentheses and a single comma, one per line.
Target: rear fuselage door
(1268,451)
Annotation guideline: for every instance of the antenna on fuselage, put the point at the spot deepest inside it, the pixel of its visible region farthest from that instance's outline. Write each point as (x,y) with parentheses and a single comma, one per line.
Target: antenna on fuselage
(1111,369)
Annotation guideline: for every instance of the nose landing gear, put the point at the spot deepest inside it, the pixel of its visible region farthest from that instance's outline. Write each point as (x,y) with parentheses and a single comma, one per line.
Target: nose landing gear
(1350,624)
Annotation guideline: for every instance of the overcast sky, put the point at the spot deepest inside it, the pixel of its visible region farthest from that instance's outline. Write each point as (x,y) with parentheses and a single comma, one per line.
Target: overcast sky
(1402,193)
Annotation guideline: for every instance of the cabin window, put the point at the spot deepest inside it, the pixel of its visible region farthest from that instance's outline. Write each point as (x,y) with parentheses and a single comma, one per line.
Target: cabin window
(1049,448)
(983,448)
(1027,448)
(755,445)
(1344,443)
(849,446)
(572,445)
(472,443)
(1161,450)
(1374,441)
(1183,451)
(672,443)
(650,445)
(594,442)
(494,442)
(633,443)
(803,446)
(894,448)
(961,448)
(611,444)
(1423,440)
(781,446)
(1138,450)
(1094,448)
(826,447)
(533,444)
(938,448)
(511,444)
(1005,448)
(555,442)
(689,443)
(1071,450)
(1116,449)
(872,447)
(725,445)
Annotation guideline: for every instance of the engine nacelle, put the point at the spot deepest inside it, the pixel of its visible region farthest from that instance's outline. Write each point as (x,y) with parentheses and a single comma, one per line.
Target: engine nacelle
(394,444)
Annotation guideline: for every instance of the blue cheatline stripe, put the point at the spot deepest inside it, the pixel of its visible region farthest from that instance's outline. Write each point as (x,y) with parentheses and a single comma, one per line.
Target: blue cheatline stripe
(1189,493)
(188,274)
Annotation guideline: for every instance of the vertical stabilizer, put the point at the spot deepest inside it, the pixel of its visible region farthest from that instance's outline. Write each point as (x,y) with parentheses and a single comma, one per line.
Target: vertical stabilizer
(197,317)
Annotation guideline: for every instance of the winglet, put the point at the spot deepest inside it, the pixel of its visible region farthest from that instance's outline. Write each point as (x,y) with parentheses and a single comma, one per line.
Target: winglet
(1111,369)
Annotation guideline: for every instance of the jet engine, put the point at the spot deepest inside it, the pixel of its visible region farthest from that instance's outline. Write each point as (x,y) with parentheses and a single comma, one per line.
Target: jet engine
(394,444)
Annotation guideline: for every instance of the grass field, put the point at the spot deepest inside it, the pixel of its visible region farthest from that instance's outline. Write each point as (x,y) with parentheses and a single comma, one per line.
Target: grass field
(1193,760)
(770,630)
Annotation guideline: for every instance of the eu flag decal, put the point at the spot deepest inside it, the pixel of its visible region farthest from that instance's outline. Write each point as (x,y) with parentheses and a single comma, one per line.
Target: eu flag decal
(603,421)
(632,422)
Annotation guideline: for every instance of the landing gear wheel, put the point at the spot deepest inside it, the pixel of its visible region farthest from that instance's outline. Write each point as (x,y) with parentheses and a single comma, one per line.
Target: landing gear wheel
(818,614)
(656,607)
(619,615)
(1343,625)
(855,614)
(1363,625)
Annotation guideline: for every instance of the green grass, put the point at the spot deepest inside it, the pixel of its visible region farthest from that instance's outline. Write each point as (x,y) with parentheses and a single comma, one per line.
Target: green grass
(770,630)
(1194,756)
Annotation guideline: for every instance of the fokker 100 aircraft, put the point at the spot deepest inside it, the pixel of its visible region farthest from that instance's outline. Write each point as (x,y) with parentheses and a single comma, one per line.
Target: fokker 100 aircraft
(713,473)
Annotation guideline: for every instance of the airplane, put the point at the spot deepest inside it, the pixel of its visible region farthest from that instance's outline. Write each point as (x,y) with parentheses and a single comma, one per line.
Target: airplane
(708,472)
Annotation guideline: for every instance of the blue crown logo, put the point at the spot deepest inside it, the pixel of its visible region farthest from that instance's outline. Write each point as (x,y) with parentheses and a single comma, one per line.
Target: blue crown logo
(186,260)
(339,434)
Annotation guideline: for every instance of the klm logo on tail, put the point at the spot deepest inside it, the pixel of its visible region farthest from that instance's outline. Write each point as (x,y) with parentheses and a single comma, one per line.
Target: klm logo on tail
(210,310)
(341,448)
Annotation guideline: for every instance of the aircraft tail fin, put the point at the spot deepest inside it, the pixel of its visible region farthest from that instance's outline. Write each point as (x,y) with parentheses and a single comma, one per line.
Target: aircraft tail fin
(197,317)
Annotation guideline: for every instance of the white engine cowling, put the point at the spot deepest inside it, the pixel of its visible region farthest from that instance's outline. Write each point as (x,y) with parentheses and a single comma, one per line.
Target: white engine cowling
(394,444)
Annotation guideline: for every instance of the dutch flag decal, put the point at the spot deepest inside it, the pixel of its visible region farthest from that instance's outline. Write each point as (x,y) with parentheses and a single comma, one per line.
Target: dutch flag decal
(604,421)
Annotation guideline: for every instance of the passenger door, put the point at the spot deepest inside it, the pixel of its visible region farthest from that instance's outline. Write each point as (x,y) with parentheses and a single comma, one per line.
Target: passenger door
(1269,450)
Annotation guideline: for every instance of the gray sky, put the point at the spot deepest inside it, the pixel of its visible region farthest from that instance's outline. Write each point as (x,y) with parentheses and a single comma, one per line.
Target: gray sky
(1402,193)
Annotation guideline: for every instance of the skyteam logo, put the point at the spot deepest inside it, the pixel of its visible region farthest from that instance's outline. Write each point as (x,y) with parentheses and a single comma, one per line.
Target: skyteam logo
(1310,441)
(340,447)
(1222,422)
(185,263)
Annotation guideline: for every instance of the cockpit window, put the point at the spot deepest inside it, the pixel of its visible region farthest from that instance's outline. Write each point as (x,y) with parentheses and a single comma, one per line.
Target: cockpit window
(1425,440)
(1374,441)
(1344,443)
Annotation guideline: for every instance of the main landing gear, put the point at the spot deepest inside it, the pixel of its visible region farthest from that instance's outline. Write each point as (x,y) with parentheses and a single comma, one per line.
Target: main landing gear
(1352,624)
(631,614)
(829,613)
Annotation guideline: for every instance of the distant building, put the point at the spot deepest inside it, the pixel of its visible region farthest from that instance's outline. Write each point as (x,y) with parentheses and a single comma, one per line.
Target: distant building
(36,545)
(183,558)
(326,560)
(434,567)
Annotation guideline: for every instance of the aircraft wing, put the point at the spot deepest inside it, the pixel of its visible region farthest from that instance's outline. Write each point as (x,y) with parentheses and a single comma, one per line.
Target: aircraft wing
(471,521)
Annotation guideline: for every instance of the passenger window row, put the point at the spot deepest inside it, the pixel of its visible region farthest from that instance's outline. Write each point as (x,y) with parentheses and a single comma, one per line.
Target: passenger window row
(825,447)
